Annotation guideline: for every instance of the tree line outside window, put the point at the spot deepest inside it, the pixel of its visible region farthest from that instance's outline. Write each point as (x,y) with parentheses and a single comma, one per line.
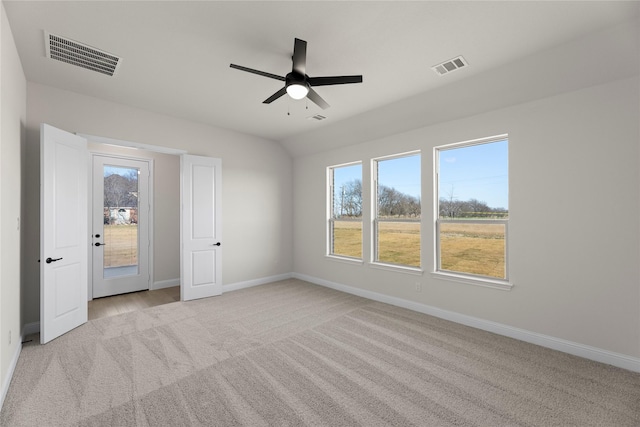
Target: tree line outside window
(471,204)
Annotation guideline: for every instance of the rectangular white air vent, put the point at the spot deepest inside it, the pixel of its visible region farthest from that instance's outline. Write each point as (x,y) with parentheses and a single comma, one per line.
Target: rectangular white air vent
(450,65)
(81,55)
(317,117)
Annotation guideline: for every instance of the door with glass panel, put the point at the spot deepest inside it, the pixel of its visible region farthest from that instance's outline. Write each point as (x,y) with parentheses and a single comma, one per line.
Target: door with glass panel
(120,233)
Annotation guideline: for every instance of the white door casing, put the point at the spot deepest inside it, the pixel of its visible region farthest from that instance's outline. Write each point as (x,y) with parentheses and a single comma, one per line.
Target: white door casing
(64,240)
(200,233)
(139,278)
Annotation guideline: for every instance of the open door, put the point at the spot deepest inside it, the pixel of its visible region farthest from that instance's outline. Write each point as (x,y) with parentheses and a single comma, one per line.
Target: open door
(200,255)
(64,242)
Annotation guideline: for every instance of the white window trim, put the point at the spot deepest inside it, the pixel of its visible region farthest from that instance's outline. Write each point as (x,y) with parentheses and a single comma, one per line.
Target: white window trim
(374,218)
(467,278)
(330,219)
(473,280)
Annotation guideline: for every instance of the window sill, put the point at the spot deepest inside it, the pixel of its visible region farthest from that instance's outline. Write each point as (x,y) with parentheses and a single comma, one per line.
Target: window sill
(346,260)
(398,268)
(469,280)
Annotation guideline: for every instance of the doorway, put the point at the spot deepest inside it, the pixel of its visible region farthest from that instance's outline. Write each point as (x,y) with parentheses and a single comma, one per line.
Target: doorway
(121,214)
(65,209)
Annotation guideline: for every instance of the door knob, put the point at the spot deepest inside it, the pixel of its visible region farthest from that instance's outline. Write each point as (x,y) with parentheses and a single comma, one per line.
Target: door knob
(216,244)
(50,260)
(100,244)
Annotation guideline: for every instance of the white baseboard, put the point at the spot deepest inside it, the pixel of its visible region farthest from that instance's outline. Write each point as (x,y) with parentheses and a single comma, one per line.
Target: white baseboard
(577,349)
(255,282)
(9,376)
(162,284)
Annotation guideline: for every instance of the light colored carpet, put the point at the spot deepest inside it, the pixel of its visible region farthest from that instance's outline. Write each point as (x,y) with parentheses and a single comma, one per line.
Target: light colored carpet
(291,354)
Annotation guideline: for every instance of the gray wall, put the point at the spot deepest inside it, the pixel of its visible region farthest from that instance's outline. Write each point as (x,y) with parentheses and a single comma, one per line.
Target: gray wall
(574,226)
(256,175)
(13,111)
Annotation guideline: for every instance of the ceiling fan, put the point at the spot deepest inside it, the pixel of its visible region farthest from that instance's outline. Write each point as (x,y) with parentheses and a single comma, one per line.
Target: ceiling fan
(297,83)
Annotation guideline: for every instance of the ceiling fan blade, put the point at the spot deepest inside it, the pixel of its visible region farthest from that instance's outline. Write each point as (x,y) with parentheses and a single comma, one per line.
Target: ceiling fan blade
(260,73)
(300,56)
(317,99)
(275,96)
(334,80)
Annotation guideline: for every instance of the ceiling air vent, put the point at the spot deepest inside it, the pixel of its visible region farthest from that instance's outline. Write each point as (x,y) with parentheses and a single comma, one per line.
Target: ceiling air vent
(81,55)
(449,66)
(317,117)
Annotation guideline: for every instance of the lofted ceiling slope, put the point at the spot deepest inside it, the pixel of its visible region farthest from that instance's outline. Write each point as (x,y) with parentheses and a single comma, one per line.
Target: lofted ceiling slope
(176,55)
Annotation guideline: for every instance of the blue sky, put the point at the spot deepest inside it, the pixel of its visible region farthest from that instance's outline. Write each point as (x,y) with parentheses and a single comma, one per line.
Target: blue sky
(472,172)
(117,170)
(402,173)
(476,172)
(346,174)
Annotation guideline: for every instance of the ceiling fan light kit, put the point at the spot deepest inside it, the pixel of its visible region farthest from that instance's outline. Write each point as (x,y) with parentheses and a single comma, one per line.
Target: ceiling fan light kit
(298,84)
(297,91)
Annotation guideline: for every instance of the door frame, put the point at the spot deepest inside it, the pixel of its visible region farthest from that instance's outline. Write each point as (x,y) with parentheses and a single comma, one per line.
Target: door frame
(158,149)
(150,162)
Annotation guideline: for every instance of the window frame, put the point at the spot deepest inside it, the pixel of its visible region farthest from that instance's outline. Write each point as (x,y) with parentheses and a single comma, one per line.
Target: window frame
(331,220)
(375,221)
(458,276)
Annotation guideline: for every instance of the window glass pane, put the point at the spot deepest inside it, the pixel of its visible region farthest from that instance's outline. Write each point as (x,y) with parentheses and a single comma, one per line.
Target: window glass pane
(345,224)
(398,211)
(347,191)
(474,248)
(347,238)
(399,187)
(399,243)
(473,181)
(473,190)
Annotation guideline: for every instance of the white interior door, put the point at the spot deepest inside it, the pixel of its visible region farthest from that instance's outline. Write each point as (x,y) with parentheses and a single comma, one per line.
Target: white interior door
(64,241)
(120,225)
(201,254)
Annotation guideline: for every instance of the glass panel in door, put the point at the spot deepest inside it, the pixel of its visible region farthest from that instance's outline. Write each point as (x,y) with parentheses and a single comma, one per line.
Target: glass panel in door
(121,242)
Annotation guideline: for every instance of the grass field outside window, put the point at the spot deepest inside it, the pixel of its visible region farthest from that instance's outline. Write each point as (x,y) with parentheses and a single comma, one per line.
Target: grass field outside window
(397,210)
(399,242)
(347,238)
(121,245)
(472,208)
(476,248)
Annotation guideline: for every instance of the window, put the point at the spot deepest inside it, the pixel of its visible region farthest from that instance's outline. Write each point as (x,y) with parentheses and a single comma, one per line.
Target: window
(472,199)
(397,213)
(345,210)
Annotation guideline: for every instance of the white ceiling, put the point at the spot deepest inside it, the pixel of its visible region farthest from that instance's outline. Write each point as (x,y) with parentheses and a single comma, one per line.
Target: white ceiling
(176,55)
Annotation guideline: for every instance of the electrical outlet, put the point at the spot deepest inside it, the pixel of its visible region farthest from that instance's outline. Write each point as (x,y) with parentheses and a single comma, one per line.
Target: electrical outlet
(418,287)
(9,337)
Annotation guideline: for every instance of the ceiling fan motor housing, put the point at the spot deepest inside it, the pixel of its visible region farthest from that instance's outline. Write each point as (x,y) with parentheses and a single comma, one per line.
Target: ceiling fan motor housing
(294,78)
